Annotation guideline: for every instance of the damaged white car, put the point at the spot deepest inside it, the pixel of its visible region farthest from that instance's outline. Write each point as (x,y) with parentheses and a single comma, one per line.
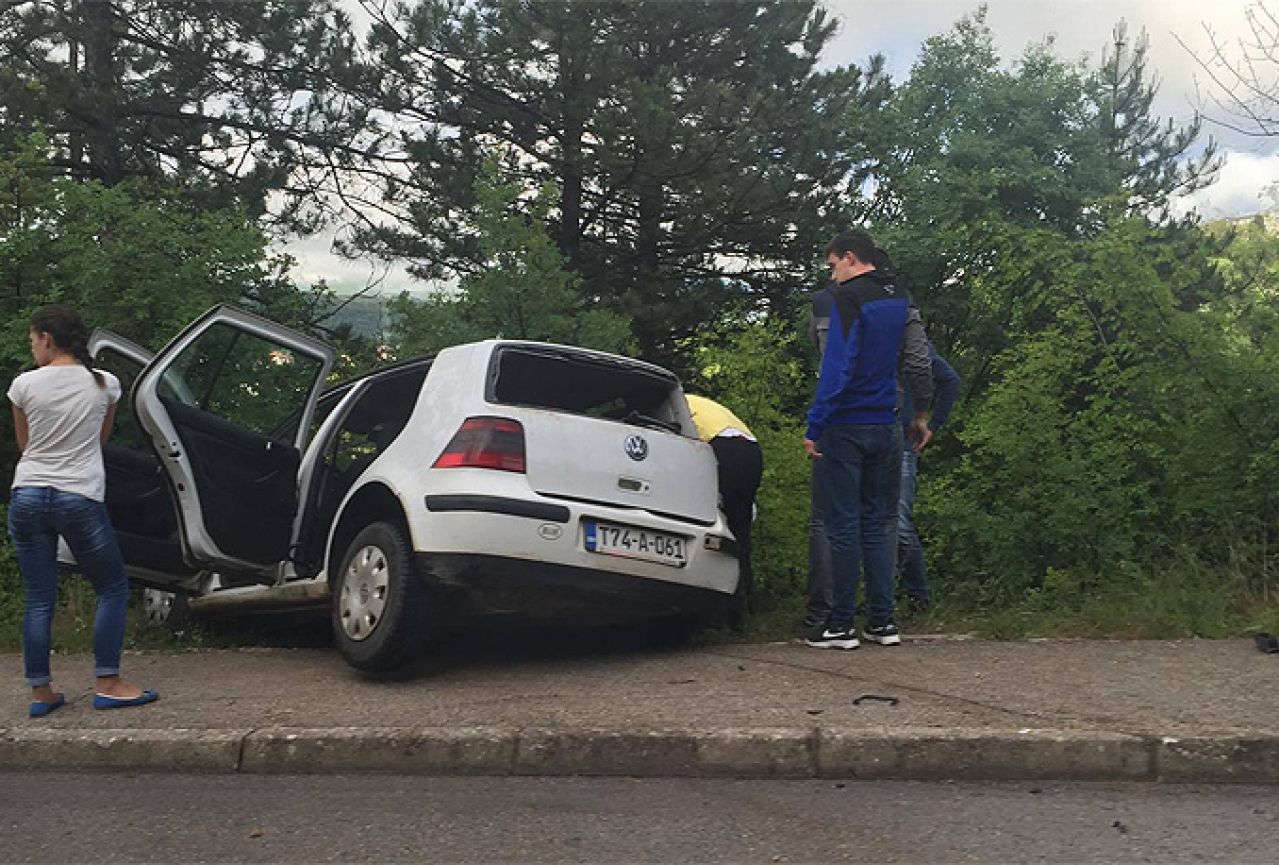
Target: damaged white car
(496,477)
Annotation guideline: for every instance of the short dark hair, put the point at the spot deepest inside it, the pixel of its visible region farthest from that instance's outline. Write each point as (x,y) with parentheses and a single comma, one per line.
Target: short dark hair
(861,244)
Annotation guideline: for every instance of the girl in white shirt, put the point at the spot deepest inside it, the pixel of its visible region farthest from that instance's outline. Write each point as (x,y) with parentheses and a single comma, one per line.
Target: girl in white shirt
(62,413)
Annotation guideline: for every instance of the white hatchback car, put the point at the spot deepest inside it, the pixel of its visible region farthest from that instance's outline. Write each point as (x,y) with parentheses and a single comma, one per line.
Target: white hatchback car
(498,476)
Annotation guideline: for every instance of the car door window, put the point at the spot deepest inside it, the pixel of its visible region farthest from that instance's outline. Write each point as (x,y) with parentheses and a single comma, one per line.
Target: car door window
(241,377)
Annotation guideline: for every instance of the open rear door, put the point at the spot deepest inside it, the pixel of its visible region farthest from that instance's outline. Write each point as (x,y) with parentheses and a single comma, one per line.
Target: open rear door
(214,403)
(142,511)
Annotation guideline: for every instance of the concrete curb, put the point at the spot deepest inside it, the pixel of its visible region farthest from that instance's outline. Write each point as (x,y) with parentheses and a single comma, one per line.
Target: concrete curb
(1244,758)
(173,750)
(882,753)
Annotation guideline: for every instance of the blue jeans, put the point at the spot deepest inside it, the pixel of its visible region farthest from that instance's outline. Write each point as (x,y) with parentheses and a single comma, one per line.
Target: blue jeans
(910,549)
(37,516)
(859,474)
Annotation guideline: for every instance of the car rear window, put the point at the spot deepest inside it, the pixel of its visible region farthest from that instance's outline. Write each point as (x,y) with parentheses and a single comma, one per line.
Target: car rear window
(600,386)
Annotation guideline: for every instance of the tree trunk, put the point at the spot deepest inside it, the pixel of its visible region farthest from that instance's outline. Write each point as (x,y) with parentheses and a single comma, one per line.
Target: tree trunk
(572,55)
(649,229)
(100,91)
(75,149)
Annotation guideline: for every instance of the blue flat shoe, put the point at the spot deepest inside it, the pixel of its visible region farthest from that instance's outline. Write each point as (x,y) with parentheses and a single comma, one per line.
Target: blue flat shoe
(40,708)
(105,701)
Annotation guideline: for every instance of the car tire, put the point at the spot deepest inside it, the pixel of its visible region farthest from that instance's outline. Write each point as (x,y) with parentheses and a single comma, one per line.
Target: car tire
(378,604)
(169,612)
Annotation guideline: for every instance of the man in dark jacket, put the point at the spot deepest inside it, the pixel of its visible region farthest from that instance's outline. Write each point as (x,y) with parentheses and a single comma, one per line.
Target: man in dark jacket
(821,599)
(854,436)
(910,549)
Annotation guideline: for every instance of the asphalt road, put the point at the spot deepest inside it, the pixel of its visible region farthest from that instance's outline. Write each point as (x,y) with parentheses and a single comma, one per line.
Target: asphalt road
(176,818)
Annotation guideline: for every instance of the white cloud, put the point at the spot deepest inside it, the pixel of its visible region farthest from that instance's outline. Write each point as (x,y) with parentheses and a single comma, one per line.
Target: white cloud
(317,261)
(1080,29)
(1240,189)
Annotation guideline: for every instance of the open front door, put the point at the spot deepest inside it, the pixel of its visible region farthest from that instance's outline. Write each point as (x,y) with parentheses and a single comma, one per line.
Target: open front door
(143,513)
(214,403)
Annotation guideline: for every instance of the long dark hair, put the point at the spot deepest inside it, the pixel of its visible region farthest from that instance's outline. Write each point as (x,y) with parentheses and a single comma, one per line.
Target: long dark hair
(69,333)
(862,245)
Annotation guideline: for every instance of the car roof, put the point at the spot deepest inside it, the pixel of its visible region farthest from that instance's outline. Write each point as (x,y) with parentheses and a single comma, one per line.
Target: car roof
(489,345)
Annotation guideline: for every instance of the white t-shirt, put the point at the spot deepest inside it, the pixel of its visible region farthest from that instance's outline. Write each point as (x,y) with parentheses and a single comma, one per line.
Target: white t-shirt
(65,409)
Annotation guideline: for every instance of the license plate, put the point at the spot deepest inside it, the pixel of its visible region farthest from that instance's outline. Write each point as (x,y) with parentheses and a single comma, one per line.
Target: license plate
(633,543)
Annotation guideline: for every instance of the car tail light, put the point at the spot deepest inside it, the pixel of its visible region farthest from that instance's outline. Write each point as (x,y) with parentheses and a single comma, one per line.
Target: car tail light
(485,443)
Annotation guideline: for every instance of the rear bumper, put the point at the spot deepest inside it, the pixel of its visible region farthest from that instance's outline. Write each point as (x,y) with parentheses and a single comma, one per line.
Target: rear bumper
(538,589)
(513,524)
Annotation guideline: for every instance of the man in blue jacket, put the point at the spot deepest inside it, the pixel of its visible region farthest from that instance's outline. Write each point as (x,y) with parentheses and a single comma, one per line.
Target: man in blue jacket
(854,436)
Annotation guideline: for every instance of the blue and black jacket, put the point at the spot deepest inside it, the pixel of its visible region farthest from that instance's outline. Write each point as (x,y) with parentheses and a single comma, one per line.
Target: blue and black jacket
(873,324)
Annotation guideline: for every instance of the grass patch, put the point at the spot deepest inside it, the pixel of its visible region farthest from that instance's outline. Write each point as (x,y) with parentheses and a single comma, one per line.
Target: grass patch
(73,624)
(1182,601)
(1176,603)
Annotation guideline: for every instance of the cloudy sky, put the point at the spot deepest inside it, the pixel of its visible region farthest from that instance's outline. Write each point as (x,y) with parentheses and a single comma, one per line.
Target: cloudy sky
(1080,30)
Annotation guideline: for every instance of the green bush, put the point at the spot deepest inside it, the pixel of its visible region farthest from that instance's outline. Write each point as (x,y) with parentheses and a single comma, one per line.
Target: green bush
(758,372)
(10,585)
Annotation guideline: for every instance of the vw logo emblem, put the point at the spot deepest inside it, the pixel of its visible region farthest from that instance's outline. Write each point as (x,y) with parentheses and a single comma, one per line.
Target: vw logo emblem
(636,447)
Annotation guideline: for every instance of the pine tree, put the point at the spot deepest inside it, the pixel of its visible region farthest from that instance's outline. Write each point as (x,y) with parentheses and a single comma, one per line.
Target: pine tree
(701,155)
(232,100)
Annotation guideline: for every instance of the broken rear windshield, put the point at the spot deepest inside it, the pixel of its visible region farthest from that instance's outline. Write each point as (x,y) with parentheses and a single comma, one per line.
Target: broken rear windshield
(588,384)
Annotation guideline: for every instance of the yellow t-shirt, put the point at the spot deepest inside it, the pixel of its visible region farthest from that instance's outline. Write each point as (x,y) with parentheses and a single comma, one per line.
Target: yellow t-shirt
(712,419)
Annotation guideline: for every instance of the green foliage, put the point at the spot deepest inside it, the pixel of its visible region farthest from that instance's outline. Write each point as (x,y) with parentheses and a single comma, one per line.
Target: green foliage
(1113,419)
(523,290)
(10,584)
(135,260)
(756,370)
(141,262)
(1111,436)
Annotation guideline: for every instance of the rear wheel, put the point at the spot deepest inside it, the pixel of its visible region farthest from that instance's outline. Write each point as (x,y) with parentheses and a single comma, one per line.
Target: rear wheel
(378,604)
(165,611)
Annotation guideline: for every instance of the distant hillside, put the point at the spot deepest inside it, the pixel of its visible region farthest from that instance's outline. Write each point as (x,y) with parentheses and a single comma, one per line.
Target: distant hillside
(366,315)
(1268,220)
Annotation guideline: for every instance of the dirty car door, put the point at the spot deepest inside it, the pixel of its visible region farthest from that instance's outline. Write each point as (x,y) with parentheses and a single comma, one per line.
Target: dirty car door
(210,402)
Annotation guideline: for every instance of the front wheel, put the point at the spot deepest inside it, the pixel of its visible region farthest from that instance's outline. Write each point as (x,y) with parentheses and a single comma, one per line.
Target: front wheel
(378,604)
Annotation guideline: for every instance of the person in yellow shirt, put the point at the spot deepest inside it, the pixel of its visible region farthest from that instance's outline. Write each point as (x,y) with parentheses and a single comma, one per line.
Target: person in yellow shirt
(741,465)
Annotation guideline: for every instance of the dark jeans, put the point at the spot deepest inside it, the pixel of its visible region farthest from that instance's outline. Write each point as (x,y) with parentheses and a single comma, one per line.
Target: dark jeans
(859,473)
(821,597)
(910,549)
(37,516)
(740,463)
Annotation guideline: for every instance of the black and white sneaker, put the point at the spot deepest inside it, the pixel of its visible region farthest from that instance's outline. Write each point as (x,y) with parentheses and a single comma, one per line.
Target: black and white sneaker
(833,638)
(885,633)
